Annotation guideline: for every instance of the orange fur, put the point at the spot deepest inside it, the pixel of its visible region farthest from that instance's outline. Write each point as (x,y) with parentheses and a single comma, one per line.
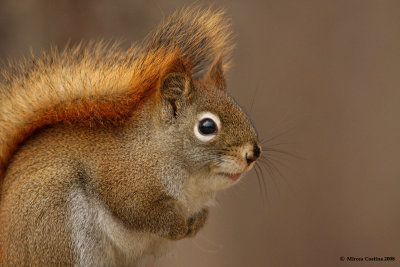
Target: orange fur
(101,84)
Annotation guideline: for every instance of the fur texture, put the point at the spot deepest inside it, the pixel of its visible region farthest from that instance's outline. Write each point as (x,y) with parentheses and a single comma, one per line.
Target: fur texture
(101,158)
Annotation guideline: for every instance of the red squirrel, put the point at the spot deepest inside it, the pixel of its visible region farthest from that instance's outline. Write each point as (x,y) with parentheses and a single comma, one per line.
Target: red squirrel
(107,155)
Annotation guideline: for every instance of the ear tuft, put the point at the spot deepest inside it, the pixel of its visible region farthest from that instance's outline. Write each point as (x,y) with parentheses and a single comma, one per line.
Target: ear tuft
(216,74)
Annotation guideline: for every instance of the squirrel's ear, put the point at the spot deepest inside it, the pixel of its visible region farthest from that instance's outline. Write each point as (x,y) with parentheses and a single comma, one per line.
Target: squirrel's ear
(215,74)
(175,85)
(175,89)
(176,82)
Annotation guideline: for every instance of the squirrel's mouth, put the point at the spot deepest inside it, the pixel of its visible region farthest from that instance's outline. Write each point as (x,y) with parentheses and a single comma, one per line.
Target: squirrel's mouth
(232,176)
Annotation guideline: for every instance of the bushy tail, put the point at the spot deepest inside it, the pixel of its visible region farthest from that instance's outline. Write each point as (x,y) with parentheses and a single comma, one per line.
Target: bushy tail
(199,35)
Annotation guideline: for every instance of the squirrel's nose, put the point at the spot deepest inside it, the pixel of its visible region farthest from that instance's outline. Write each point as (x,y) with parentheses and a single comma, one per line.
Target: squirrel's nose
(254,155)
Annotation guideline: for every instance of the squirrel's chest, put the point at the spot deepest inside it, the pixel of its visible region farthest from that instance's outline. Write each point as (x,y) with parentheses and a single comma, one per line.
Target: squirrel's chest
(198,193)
(100,239)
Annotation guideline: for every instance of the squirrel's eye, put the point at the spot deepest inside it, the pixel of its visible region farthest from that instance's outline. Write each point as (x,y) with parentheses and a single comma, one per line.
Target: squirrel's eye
(207,126)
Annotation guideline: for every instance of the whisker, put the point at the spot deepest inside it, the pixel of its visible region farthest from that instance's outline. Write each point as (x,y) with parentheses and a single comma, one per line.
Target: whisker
(271,170)
(278,161)
(258,180)
(268,149)
(252,100)
(272,166)
(263,185)
(274,161)
(264,141)
(263,180)
(276,144)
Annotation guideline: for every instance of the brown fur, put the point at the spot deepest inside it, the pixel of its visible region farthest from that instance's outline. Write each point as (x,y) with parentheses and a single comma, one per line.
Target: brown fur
(101,153)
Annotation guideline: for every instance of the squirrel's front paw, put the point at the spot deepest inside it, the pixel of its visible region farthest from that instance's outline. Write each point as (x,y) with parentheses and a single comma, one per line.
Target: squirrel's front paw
(177,225)
(196,222)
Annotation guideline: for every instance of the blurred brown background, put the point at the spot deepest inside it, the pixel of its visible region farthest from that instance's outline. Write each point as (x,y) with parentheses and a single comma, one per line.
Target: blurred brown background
(321,78)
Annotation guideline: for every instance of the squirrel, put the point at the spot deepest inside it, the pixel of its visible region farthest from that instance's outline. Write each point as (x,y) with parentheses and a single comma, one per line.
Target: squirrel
(108,155)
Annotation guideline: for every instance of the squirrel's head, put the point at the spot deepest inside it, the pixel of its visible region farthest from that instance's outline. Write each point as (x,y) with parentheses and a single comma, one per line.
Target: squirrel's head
(203,128)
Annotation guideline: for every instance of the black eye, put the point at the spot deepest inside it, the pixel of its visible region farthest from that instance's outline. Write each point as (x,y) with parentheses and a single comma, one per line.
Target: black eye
(207,126)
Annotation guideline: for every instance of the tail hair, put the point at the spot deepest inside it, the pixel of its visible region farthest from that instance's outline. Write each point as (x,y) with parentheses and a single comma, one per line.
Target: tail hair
(199,35)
